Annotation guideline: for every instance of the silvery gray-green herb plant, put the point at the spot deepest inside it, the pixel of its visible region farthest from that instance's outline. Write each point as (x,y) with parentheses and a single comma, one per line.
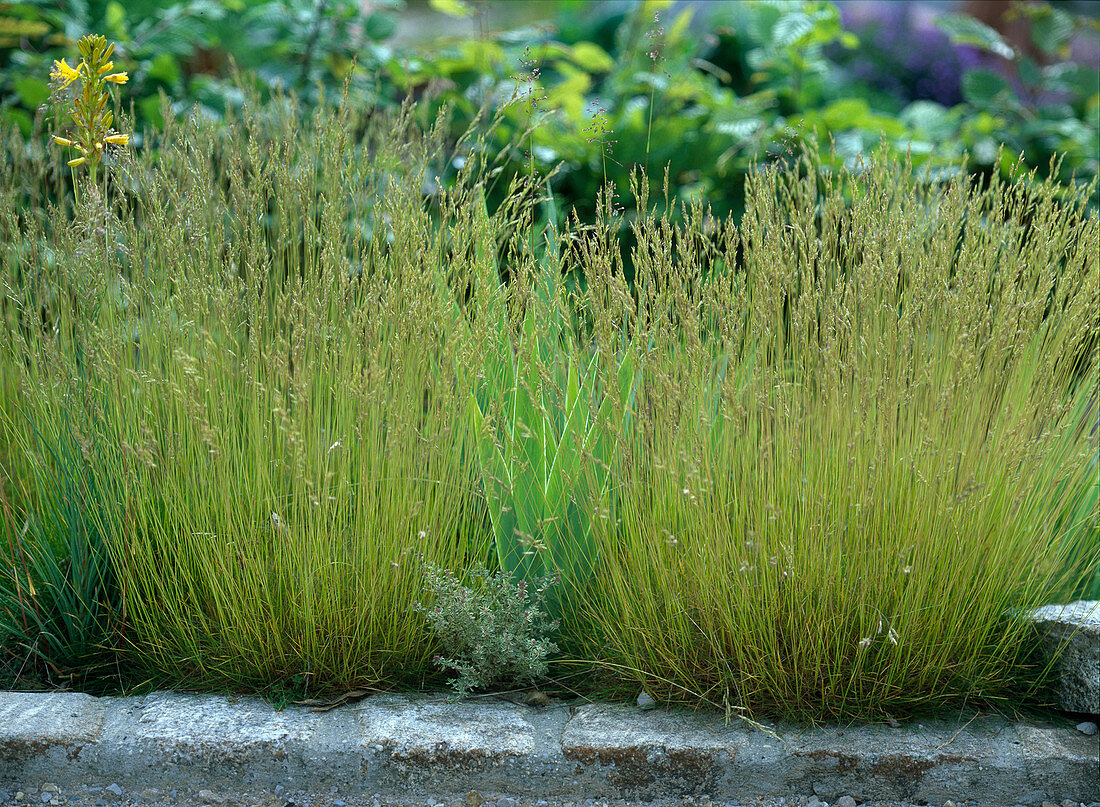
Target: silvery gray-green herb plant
(491,630)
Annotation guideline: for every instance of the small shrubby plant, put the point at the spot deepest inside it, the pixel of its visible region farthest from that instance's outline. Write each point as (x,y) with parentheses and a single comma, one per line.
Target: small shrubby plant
(491,631)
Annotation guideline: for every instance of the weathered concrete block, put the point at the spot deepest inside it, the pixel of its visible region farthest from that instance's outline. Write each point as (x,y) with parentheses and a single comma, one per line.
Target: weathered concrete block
(1076,627)
(423,728)
(653,754)
(1054,757)
(626,753)
(190,726)
(434,745)
(235,739)
(33,723)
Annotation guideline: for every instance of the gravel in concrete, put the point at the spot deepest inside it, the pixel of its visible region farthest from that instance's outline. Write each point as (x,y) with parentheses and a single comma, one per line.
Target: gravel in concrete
(113,795)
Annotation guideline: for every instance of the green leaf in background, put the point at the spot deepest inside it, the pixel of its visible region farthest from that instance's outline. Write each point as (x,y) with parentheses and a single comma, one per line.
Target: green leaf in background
(482,55)
(150,110)
(13,30)
(1051,28)
(592,58)
(452,8)
(680,25)
(651,7)
(931,119)
(854,113)
(18,117)
(569,95)
(380,26)
(115,19)
(1079,79)
(790,28)
(32,91)
(1030,74)
(738,124)
(984,88)
(964,30)
(165,68)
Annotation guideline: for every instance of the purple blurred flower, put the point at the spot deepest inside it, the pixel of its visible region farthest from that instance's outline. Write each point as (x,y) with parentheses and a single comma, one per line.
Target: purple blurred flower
(903,54)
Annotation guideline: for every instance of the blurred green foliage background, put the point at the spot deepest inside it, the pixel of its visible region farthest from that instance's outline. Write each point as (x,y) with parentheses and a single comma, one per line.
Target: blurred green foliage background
(596,87)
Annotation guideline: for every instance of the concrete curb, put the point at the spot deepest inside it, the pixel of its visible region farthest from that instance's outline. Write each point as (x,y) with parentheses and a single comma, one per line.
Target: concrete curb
(402,746)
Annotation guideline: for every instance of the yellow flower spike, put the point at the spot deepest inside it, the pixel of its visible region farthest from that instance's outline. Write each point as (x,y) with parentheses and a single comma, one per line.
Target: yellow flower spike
(92,133)
(64,73)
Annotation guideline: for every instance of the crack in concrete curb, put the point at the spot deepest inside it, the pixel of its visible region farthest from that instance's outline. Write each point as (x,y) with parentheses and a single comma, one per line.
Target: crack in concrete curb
(402,745)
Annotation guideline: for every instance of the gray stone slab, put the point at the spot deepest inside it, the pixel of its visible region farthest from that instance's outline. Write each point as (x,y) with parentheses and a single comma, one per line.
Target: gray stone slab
(1060,761)
(238,740)
(651,754)
(656,754)
(1073,631)
(937,761)
(430,744)
(196,723)
(31,723)
(995,760)
(414,728)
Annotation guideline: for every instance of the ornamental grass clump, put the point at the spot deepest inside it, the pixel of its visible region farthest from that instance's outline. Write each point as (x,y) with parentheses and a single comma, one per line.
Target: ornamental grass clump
(817,462)
(58,594)
(267,354)
(861,451)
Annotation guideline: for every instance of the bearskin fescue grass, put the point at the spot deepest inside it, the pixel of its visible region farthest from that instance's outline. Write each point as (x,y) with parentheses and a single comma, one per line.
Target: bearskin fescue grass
(859,440)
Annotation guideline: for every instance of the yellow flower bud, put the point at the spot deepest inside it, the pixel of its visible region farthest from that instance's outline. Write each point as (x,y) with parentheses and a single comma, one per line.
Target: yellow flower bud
(107,68)
(77,161)
(62,141)
(117,78)
(118,139)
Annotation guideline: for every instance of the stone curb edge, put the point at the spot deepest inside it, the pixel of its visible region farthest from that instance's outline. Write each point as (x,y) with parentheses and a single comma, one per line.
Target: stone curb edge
(401,746)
